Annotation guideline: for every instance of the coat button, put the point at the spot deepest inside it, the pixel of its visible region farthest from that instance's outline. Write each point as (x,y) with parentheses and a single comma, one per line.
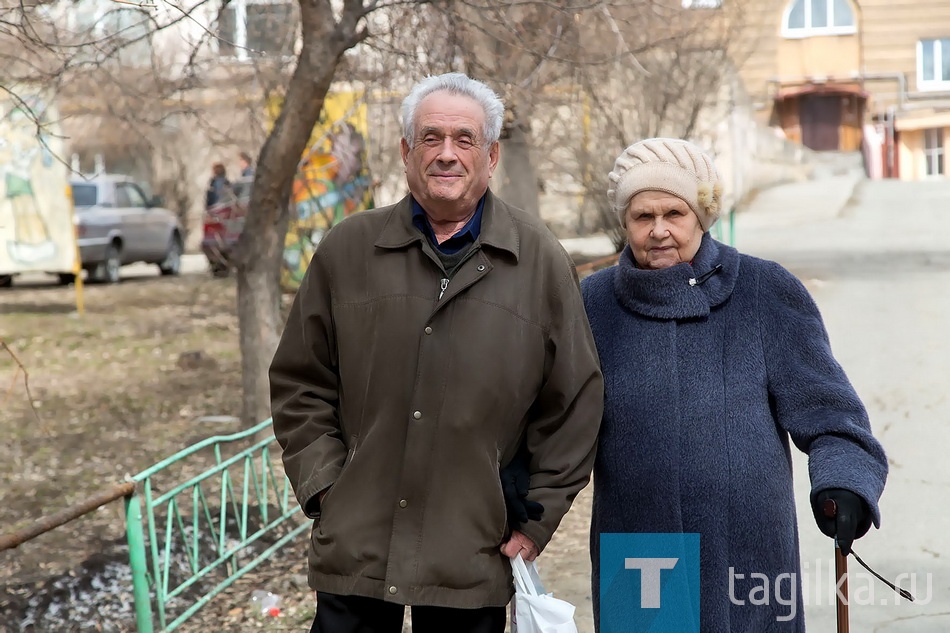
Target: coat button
(403,503)
(417,414)
(428,330)
(392,590)
(481,268)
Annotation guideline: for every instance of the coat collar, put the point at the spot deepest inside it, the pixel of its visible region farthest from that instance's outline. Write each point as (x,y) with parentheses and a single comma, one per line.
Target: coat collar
(669,293)
(498,226)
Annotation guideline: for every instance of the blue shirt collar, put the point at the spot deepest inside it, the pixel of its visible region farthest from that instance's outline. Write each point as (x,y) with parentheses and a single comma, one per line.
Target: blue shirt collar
(468,234)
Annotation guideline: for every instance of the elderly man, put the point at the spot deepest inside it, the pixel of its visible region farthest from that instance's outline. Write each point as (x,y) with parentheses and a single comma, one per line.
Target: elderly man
(428,342)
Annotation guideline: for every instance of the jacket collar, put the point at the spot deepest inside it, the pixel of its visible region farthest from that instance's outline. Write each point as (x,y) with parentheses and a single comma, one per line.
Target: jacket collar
(679,292)
(498,226)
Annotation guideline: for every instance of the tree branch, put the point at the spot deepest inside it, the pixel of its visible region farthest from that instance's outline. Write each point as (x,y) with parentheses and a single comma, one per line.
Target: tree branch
(26,380)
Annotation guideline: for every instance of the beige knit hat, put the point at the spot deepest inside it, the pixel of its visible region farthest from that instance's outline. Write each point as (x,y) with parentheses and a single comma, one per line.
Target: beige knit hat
(667,164)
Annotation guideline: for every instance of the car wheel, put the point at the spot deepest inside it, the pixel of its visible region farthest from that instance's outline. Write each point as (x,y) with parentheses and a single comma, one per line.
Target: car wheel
(6,281)
(107,271)
(66,278)
(171,265)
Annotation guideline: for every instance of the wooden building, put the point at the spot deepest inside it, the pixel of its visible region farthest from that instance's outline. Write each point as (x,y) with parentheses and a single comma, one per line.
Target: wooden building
(846,75)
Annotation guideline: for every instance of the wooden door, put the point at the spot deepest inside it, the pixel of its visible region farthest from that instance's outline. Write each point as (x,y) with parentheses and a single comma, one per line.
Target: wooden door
(821,122)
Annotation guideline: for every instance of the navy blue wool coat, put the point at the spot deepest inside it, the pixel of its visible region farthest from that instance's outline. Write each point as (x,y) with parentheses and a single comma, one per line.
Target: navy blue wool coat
(705,385)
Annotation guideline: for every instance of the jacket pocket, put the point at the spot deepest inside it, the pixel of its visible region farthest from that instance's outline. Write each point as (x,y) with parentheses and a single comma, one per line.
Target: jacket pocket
(500,500)
(346,463)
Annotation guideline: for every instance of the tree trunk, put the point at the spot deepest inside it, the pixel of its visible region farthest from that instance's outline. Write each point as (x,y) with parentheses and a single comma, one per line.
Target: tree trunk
(260,249)
(518,180)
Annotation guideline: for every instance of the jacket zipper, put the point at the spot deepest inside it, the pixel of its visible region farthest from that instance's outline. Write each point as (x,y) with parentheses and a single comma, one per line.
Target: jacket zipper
(445,281)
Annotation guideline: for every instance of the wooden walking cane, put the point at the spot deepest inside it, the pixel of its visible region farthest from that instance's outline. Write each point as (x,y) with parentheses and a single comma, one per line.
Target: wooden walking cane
(830,508)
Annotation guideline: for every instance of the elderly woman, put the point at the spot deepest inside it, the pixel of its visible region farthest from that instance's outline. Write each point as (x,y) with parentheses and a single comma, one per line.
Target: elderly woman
(712,362)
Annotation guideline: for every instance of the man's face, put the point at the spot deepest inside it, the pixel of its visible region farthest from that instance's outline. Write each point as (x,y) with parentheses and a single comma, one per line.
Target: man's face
(449,163)
(662,230)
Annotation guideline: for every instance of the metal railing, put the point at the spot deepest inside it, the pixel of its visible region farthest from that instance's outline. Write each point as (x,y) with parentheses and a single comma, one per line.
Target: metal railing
(180,539)
(725,229)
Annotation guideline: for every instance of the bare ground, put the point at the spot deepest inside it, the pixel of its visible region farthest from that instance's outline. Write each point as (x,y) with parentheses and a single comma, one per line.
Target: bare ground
(109,399)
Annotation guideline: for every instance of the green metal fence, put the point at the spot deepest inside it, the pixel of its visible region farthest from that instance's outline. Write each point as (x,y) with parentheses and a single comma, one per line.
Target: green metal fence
(725,229)
(189,541)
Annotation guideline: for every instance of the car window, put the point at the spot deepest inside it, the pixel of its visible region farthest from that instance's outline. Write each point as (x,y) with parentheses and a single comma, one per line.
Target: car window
(122,196)
(136,197)
(141,191)
(85,195)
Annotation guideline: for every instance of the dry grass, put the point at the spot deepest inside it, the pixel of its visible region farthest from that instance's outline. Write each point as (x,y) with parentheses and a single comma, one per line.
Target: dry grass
(109,400)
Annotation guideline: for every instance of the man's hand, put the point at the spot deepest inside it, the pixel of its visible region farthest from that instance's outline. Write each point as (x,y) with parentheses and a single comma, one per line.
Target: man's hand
(520,543)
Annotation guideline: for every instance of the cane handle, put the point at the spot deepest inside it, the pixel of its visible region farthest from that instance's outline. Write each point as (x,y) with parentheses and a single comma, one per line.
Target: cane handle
(829,508)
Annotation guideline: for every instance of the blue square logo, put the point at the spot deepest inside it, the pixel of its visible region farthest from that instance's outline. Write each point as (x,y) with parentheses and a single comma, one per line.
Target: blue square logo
(649,583)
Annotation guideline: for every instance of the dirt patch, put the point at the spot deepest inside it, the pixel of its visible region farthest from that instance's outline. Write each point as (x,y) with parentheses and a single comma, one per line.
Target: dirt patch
(114,392)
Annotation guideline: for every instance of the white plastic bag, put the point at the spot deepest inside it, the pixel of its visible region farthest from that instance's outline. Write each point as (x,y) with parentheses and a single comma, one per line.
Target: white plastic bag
(536,611)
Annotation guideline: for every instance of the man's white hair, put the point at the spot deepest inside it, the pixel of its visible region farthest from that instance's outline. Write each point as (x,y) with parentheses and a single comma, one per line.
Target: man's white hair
(457,84)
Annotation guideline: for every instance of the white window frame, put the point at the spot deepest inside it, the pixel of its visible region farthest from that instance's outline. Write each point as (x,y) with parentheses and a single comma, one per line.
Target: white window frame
(816,31)
(935,153)
(241,52)
(702,4)
(932,84)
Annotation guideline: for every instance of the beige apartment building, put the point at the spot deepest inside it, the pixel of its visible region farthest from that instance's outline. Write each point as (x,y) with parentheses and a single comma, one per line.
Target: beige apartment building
(868,75)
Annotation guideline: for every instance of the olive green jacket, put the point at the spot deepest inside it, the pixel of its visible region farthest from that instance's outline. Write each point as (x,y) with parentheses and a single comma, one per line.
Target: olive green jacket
(404,404)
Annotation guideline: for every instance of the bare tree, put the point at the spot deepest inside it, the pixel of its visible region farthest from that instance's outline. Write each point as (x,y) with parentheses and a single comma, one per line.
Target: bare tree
(325,36)
(665,80)
(127,93)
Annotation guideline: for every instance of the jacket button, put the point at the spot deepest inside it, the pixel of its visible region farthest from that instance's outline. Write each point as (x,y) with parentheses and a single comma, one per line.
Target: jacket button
(392,590)
(481,268)
(403,503)
(417,414)
(428,330)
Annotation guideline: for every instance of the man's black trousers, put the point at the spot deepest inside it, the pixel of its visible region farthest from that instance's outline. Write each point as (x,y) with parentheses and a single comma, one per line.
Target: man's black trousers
(356,614)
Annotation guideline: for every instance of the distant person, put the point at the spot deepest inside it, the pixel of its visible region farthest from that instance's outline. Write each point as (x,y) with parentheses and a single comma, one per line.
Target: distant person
(218,186)
(715,364)
(246,164)
(403,383)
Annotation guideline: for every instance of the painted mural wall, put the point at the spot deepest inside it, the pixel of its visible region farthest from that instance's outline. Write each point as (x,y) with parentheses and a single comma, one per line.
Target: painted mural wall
(36,215)
(333,181)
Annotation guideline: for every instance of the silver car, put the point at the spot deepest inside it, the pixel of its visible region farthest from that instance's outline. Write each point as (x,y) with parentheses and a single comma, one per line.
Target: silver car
(117,224)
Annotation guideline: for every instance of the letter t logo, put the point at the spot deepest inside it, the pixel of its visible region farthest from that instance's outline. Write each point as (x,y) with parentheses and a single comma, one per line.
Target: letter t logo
(649,578)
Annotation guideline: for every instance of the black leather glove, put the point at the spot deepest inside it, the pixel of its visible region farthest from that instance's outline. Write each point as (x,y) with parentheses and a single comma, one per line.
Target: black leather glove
(312,508)
(852,518)
(514,483)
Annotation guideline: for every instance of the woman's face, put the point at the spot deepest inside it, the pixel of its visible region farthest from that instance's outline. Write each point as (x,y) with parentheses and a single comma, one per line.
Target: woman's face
(662,230)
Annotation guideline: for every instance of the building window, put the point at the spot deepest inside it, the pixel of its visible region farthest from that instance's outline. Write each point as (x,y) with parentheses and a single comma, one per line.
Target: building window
(933,151)
(121,30)
(933,64)
(702,4)
(252,28)
(808,18)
